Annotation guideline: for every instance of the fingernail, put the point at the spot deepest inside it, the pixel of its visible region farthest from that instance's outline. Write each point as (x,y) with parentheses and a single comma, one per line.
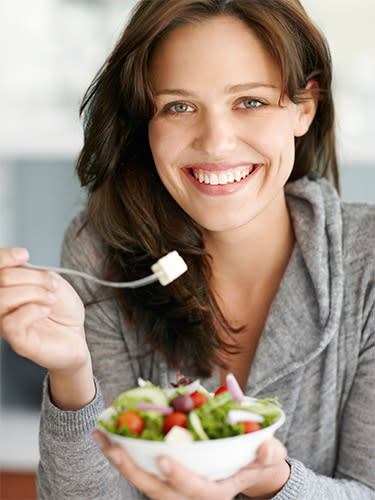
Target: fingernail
(98,440)
(20,253)
(165,466)
(114,457)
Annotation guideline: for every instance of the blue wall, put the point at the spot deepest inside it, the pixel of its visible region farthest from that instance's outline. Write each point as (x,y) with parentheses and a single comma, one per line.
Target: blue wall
(44,195)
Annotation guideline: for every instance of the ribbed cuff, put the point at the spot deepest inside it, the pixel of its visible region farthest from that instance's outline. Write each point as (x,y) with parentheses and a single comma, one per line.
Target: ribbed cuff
(68,425)
(294,487)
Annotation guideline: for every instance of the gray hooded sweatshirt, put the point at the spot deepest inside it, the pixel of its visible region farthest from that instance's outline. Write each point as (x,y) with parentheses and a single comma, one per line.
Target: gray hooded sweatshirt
(316,354)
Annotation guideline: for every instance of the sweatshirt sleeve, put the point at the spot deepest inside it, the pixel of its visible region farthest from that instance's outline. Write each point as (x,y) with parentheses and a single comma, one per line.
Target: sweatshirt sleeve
(304,484)
(71,466)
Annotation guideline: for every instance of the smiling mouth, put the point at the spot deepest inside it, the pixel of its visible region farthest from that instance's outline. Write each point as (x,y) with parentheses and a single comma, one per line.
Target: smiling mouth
(229,176)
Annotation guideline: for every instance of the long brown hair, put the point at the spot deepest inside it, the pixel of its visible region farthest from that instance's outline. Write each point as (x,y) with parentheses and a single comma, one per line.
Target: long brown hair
(129,206)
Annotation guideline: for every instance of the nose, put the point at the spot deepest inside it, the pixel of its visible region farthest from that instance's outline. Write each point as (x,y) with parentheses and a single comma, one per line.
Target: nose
(215,135)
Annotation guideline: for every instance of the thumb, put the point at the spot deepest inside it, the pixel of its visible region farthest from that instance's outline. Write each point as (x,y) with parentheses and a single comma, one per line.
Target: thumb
(270,452)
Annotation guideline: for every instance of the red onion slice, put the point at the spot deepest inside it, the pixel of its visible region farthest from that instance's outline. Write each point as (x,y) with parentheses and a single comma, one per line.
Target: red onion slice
(236,416)
(165,410)
(234,388)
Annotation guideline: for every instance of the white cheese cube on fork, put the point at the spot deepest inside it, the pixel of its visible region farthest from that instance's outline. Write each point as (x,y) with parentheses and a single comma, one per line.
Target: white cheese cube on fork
(169,267)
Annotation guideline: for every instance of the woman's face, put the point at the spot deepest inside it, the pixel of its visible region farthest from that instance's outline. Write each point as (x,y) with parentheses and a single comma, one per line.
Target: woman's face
(222,143)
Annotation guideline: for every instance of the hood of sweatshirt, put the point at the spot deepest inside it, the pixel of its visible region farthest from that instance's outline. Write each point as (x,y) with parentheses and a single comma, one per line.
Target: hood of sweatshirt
(305,313)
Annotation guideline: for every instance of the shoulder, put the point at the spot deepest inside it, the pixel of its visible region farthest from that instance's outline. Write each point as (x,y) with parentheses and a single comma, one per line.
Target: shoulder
(82,246)
(76,225)
(358,223)
(348,228)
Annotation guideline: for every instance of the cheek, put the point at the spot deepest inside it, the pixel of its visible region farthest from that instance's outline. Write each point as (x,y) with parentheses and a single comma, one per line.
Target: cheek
(165,147)
(155,138)
(166,141)
(272,135)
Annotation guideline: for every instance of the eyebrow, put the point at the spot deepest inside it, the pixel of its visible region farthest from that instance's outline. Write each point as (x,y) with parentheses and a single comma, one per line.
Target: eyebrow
(233,89)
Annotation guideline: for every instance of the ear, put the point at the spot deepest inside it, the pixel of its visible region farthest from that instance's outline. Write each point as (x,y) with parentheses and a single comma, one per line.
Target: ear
(307,108)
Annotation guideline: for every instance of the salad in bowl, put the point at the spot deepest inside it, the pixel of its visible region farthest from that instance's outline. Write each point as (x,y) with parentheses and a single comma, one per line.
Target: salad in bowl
(213,435)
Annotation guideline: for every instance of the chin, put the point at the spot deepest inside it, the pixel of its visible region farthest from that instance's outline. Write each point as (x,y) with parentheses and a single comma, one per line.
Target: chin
(221,225)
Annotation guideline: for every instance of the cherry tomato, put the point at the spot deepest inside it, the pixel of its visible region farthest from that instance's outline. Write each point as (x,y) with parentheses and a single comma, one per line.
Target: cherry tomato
(250,427)
(221,389)
(175,418)
(132,420)
(198,398)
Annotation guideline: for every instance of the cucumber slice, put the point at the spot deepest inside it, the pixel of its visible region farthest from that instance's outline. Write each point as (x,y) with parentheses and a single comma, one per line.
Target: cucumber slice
(195,425)
(153,395)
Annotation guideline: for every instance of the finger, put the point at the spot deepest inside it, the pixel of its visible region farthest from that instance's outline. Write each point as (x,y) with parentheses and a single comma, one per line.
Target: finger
(149,484)
(192,485)
(239,481)
(101,439)
(14,297)
(267,469)
(17,276)
(270,452)
(267,474)
(10,257)
(14,326)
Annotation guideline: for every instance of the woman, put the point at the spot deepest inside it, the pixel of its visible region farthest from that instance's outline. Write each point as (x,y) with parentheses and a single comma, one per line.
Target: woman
(209,130)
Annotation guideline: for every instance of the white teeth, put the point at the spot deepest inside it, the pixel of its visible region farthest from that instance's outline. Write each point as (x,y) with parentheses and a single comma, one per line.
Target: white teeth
(214,180)
(223,177)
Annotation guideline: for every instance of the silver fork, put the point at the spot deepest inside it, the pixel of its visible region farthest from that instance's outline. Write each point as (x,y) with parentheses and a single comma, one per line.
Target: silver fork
(114,284)
(166,270)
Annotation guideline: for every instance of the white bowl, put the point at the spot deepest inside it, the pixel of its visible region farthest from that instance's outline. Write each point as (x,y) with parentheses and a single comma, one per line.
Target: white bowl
(214,459)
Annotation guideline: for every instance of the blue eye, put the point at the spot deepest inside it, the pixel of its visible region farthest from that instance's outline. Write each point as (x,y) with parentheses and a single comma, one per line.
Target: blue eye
(250,103)
(179,107)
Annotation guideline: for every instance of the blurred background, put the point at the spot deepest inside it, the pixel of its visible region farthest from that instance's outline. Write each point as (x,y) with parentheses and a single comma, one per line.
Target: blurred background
(50,51)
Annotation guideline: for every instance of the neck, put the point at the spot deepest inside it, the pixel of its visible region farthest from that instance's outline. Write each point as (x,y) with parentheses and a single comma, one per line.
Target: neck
(250,254)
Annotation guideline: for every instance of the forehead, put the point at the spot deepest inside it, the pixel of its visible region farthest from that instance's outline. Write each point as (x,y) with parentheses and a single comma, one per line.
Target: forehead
(221,49)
